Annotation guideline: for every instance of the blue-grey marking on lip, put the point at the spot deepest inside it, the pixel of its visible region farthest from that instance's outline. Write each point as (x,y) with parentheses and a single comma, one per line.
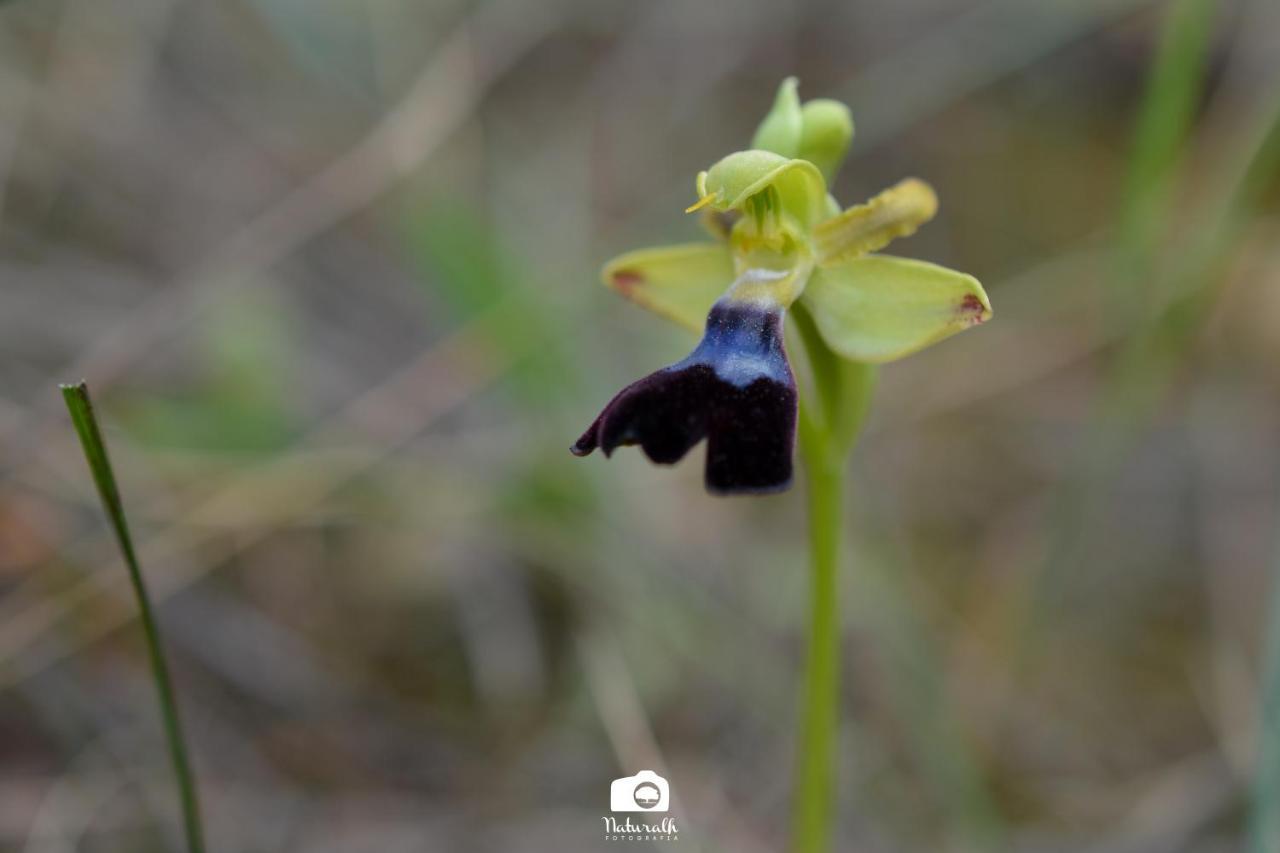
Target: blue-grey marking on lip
(742,343)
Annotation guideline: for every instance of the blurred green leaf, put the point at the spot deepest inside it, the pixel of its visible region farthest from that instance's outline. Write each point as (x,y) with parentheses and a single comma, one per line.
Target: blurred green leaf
(464,265)
(239,399)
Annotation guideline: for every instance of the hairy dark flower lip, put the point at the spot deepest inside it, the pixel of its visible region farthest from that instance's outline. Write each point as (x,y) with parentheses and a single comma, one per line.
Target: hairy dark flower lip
(736,389)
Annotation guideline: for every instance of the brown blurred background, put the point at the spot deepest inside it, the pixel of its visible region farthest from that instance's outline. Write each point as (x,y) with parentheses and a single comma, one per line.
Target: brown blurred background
(330,268)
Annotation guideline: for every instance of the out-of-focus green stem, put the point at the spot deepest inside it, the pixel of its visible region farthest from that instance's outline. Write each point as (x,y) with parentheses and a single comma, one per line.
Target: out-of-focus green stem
(95,451)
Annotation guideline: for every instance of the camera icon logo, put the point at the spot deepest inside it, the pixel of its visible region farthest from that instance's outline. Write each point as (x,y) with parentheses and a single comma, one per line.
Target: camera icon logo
(644,792)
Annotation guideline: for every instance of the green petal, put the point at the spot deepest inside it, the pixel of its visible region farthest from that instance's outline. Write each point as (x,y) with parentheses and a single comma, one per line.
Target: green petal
(729,183)
(677,282)
(826,131)
(896,212)
(780,130)
(880,308)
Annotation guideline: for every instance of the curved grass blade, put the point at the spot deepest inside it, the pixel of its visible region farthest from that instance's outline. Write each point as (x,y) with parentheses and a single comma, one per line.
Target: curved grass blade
(95,451)
(1264,818)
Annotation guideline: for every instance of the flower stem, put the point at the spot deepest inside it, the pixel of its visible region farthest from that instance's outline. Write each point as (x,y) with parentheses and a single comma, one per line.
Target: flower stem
(815,784)
(95,451)
(830,418)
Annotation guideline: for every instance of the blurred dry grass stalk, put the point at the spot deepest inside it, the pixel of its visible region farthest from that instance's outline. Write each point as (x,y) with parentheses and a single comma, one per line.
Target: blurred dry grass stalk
(330,267)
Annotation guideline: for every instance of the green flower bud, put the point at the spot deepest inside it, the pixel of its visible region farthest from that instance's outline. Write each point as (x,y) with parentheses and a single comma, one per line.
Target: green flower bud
(826,131)
(781,130)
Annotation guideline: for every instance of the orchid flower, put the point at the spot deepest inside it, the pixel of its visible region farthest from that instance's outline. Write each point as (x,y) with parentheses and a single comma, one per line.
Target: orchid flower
(781,240)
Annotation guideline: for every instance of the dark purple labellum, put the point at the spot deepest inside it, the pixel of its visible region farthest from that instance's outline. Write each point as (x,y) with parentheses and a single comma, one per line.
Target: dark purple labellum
(735,389)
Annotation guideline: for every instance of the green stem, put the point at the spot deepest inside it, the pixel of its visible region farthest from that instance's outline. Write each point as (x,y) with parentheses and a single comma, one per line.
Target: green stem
(95,451)
(815,784)
(830,418)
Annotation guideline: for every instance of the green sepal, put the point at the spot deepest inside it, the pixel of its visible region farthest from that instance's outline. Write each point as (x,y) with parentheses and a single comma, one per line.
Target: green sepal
(880,308)
(678,282)
(800,187)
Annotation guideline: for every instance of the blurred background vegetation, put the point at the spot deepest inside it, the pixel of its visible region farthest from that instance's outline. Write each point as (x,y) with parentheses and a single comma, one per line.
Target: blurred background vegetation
(330,267)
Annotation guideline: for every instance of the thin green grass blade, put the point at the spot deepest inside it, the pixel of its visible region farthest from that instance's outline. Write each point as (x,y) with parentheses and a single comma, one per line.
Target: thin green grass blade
(1162,323)
(1140,377)
(1264,823)
(1174,88)
(95,451)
